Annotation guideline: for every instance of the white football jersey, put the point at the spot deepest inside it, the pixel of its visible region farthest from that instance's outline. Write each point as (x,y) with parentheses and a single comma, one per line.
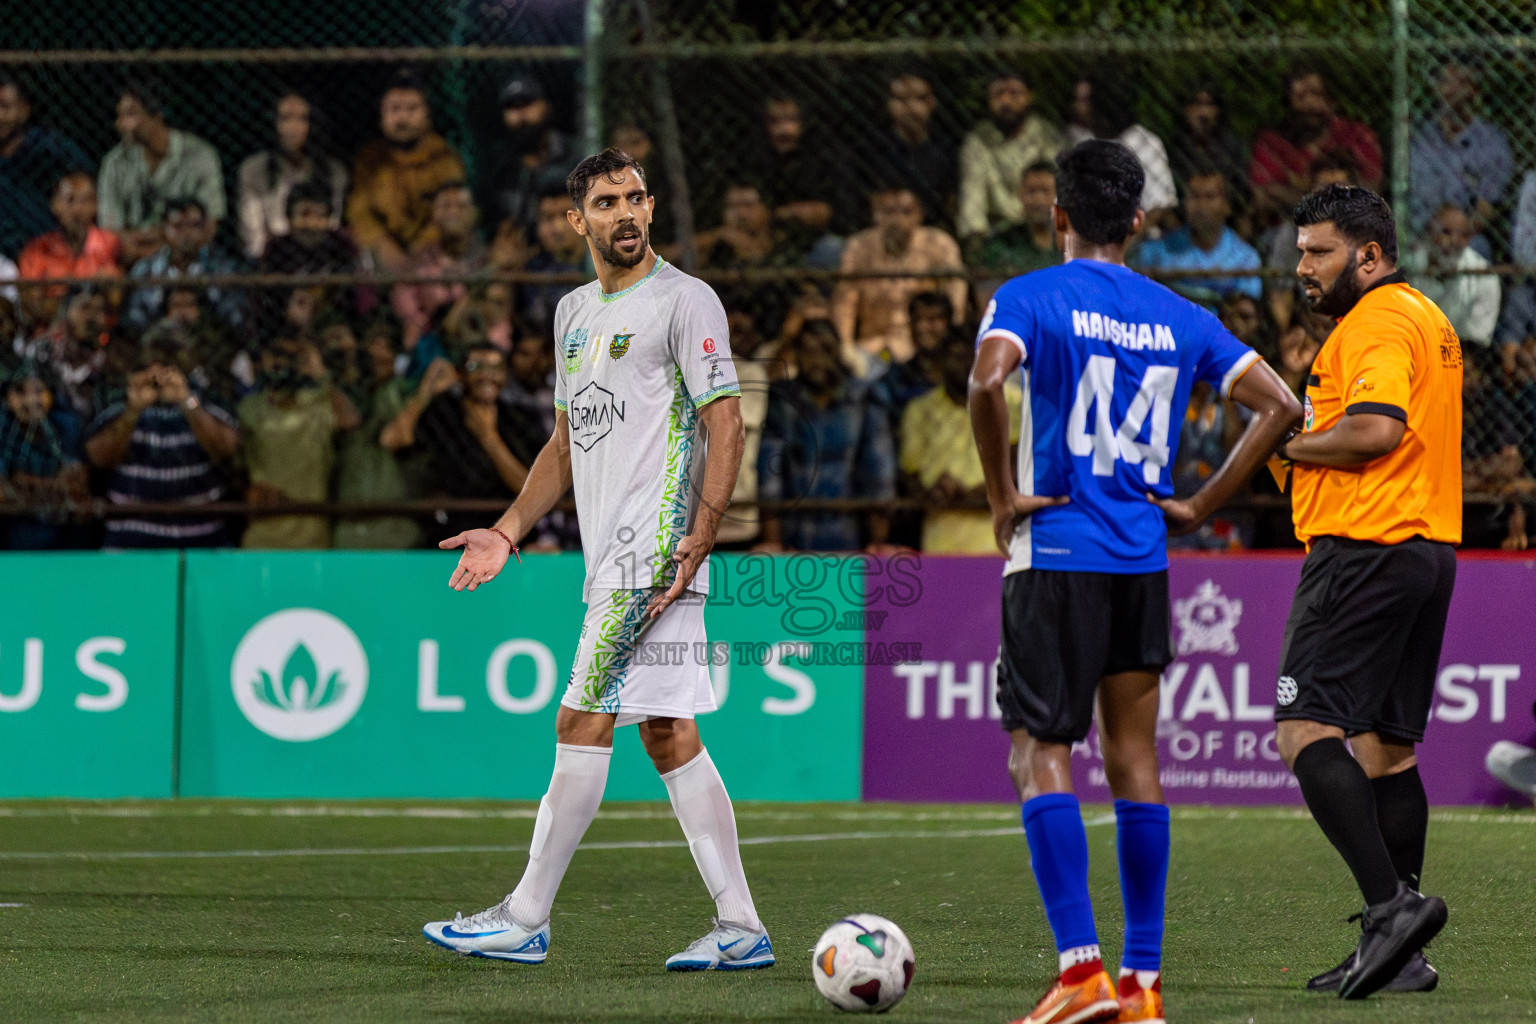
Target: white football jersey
(632,370)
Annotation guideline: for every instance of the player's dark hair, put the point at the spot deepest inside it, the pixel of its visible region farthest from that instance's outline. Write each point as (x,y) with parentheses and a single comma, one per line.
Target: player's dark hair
(610,164)
(1359,214)
(1098,184)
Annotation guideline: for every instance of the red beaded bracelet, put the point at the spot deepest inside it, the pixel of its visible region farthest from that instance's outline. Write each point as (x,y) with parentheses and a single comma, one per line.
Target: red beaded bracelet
(509,544)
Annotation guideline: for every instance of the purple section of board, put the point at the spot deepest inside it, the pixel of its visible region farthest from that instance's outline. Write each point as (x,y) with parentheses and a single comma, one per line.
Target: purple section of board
(931,729)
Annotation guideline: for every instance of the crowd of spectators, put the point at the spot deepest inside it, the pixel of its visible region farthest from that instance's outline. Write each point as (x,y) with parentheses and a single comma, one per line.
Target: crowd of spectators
(124,383)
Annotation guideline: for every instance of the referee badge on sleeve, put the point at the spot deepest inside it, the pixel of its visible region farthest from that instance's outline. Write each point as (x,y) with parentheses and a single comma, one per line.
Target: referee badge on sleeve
(1285,692)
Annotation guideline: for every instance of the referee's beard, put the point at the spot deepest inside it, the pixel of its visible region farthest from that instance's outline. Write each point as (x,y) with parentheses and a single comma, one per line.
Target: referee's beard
(1346,291)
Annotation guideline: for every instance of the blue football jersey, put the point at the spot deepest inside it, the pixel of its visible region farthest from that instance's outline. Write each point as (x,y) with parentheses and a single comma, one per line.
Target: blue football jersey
(1109,358)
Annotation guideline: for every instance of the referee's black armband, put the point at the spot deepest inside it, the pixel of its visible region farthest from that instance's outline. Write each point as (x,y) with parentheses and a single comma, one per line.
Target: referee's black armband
(1397,412)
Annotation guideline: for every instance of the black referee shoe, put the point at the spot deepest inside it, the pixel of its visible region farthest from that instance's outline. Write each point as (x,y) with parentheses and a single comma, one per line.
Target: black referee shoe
(1417,975)
(1393,931)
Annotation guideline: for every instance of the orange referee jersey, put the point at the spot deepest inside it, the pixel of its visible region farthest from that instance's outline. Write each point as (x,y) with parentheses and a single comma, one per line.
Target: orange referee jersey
(1394,354)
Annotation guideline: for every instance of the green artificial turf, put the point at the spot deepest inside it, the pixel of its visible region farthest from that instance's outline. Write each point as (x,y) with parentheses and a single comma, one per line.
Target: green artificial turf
(1256,903)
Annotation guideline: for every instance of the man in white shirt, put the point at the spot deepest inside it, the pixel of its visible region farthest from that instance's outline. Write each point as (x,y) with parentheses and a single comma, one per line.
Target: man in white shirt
(1439,267)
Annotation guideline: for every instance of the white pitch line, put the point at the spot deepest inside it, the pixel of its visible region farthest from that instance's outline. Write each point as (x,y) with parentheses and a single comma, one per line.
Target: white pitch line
(492,814)
(408,851)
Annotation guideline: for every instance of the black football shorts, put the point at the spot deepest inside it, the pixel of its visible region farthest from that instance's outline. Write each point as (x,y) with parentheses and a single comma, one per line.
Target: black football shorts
(1063,632)
(1362,643)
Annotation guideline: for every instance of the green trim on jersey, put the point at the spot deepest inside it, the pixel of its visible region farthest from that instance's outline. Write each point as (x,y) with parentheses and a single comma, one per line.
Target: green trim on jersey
(605,297)
(562,405)
(723,391)
(672,518)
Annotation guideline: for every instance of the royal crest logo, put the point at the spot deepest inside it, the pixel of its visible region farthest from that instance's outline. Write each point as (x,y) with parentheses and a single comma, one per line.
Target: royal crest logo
(570,348)
(299,674)
(1208,621)
(618,345)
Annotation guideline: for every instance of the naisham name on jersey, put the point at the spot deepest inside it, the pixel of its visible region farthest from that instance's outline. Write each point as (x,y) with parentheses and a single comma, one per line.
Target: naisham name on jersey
(1158,337)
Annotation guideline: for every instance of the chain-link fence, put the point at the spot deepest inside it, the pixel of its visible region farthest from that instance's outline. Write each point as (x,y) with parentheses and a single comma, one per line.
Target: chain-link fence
(772,134)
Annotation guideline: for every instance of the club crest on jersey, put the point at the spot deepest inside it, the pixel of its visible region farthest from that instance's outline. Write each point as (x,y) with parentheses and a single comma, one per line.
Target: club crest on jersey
(570,348)
(1308,419)
(709,344)
(1208,621)
(618,345)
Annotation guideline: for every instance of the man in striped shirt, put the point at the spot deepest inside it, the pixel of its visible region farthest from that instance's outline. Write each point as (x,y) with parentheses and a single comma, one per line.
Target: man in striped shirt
(163,441)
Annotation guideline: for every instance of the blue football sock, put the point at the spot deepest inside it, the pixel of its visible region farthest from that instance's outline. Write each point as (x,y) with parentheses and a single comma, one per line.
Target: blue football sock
(1143,848)
(1058,853)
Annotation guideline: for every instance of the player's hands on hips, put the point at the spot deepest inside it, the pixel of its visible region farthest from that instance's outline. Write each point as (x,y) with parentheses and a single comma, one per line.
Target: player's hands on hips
(485,552)
(1006,518)
(1182,514)
(690,554)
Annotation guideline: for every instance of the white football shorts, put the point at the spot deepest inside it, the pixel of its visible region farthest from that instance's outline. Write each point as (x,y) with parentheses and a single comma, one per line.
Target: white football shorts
(639,668)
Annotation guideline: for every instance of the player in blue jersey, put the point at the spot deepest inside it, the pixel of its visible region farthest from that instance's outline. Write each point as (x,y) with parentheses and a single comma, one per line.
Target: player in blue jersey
(1107,359)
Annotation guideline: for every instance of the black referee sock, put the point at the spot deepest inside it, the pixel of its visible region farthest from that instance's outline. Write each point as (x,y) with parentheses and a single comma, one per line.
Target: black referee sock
(1340,797)
(1402,811)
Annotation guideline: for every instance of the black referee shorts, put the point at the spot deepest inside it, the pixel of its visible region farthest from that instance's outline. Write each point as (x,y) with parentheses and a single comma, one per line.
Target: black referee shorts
(1063,632)
(1362,643)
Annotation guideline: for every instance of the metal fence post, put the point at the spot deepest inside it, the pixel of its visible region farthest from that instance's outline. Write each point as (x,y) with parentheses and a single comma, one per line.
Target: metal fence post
(592,86)
(458,90)
(1400,116)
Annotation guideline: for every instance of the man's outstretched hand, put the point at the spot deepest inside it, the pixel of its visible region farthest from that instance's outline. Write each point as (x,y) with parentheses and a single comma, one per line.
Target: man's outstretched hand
(1006,520)
(485,552)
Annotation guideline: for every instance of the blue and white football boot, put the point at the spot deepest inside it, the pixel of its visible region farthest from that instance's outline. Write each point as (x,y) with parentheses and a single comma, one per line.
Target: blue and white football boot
(492,934)
(726,948)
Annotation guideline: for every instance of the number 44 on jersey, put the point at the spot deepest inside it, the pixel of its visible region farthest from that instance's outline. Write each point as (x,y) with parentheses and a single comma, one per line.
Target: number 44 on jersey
(1096,399)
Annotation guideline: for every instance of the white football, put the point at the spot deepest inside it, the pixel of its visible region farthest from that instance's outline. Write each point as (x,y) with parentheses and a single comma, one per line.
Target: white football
(863,964)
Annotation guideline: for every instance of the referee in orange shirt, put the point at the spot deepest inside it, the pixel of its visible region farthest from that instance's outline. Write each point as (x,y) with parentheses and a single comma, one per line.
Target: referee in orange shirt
(1376,497)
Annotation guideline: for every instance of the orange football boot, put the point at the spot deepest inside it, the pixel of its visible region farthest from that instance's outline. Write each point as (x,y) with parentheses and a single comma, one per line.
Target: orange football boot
(1141,1005)
(1087,1002)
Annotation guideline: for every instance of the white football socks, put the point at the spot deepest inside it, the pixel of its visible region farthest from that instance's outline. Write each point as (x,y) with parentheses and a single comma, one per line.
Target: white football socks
(703,808)
(1069,958)
(575,792)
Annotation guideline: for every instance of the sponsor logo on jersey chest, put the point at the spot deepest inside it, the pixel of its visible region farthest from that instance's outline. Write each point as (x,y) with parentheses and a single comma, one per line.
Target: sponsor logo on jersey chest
(593,412)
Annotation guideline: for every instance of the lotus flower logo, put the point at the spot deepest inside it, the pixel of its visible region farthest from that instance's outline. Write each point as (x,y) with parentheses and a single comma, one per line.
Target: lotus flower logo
(297,690)
(299,674)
